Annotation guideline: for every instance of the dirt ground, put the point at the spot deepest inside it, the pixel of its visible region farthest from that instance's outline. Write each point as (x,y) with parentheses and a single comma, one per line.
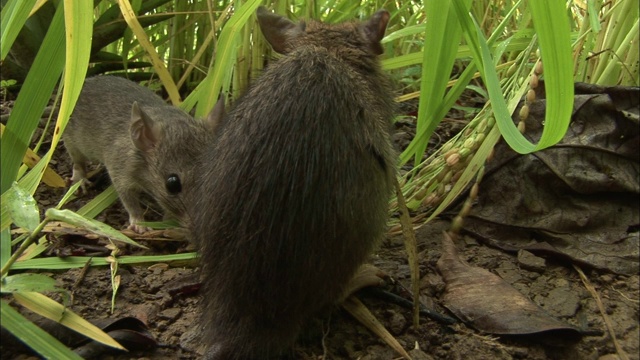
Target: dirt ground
(159,296)
(173,319)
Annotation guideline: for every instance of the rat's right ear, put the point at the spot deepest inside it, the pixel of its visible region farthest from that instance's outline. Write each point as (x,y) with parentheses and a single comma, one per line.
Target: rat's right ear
(278,30)
(145,134)
(215,118)
(374,30)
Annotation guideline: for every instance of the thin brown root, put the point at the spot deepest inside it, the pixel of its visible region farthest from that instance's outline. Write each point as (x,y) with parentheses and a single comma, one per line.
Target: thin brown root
(633,301)
(325,333)
(587,284)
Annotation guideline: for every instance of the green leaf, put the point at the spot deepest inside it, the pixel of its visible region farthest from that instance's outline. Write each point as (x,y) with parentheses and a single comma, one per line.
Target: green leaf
(31,180)
(50,309)
(484,63)
(159,225)
(22,208)
(5,215)
(29,282)
(99,203)
(551,21)
(402,61)
(72,262)
(14,15)
(559,96)
(34,337)
(33,250)
(32,99)
(5,245)
(78,30)
(515,44)
(206,94)
(94,226)
(449,100)
(593,10)
(143,40)
(406,31)
(439,54)
(69,194)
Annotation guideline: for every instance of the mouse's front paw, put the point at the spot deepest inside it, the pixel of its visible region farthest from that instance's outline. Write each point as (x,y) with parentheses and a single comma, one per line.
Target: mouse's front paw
(136,227)
(86,184)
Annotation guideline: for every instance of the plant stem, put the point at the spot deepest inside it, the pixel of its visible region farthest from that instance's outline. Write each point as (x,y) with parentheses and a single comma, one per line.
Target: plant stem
(30,240)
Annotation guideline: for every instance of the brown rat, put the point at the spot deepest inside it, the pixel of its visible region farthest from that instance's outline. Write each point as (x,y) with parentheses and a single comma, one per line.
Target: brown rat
(145,144)
(294,194)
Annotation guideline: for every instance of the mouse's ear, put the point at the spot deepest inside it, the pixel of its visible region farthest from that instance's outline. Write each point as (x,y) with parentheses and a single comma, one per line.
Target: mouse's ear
(145,133)
(278,30)
(215,119)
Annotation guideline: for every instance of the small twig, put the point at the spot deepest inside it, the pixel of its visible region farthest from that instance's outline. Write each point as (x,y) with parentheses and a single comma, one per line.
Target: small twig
(83,274)
(623,355)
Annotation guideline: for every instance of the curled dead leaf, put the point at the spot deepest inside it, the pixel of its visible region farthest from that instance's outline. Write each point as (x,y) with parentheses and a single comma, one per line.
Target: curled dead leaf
(484,301)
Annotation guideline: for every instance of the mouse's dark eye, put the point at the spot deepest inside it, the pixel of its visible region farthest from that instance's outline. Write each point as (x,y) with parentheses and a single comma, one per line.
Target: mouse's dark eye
(173,184)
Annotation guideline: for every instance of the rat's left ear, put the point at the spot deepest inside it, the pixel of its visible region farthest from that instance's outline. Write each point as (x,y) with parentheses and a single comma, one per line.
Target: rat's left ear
(215,119)
(278,30)
(145,133)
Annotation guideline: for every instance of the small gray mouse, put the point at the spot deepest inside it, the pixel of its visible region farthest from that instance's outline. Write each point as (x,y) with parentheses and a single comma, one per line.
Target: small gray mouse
(145,144)
(294,193)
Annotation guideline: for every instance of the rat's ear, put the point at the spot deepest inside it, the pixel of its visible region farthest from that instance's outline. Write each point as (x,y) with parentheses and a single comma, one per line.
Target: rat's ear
(145,133)
(215,119)
(278,30)
(374,29)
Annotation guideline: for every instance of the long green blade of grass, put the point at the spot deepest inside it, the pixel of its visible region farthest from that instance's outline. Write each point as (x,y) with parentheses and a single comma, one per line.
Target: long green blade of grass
(33,97)
(77,45)
(551,22)
(29,282)
(99,203)
(13,16)
(71,262)
(206,94)
(438,56)
(34,337)
(77,34)
(78,28)
(94,226)
(401,61)
(50,309)
(158,64)
(5,246)
(560,99)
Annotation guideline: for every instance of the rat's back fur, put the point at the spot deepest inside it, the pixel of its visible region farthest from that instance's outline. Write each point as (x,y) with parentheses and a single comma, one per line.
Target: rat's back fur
(295,193)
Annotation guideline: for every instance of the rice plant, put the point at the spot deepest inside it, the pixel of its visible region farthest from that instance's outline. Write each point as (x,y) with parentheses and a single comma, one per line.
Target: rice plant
(197,50)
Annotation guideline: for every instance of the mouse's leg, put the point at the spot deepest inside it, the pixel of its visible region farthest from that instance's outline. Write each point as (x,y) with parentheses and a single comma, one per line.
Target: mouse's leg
(130,197)
(136,214)
(79,171)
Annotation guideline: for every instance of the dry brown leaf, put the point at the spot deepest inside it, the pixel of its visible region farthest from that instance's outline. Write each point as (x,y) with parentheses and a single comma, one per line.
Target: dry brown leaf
(580,196)
(484,301)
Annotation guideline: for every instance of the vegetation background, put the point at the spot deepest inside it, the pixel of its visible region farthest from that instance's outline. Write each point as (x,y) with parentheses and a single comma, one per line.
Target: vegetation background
(195,50)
